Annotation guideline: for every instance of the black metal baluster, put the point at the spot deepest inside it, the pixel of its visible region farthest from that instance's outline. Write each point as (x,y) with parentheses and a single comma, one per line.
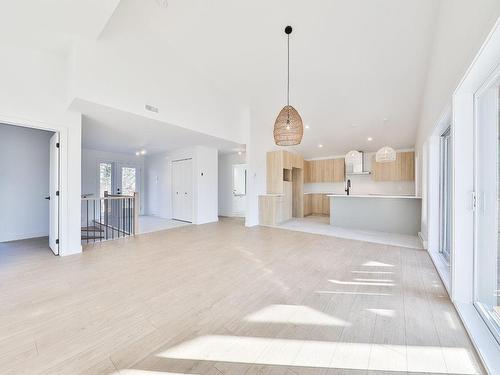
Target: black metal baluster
(119,204)
(100,222)
(93,222)
(87,228)
(112,230)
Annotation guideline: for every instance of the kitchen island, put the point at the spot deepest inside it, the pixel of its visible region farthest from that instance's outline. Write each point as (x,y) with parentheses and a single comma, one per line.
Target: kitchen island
(384,213)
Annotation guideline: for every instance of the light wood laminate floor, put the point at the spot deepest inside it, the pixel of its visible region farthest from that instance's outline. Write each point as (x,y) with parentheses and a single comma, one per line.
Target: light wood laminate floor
(224,299)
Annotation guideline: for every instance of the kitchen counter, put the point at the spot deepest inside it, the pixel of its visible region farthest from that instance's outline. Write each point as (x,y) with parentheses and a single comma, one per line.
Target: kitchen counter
(384,213)
(374,196)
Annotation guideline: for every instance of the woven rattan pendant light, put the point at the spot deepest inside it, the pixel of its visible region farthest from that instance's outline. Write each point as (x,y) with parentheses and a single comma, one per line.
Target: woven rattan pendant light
(288,128)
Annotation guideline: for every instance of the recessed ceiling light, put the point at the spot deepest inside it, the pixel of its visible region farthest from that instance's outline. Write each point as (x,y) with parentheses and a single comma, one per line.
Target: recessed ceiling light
(370,139)
(143,152)
(137,153)
(320,145)
(307,126)
(239,152)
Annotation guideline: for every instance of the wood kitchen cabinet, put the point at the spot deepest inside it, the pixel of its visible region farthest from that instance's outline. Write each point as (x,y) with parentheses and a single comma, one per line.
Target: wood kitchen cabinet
(307,204)
(316,204)
(402,169)
(279,166)
(325,170)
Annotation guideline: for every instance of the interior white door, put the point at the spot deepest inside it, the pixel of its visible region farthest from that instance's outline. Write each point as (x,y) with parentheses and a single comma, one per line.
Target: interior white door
(188,190)
(182,190)
(54,194)
(239,189)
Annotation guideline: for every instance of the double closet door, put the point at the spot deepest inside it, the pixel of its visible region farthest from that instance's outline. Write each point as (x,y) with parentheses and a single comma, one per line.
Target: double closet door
(182,190)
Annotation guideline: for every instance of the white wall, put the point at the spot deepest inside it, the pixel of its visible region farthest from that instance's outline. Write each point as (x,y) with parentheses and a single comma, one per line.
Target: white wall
(462,28)
(90,170)
(33,93)
(24,182)
(226,162)
(206,200)
(158,183)
(125,73)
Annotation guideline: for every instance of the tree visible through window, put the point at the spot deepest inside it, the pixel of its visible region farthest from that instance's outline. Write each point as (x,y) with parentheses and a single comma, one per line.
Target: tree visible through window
(128,180)
(104,178)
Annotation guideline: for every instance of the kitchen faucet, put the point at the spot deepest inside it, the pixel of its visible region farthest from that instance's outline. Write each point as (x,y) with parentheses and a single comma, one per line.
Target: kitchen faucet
(348,187)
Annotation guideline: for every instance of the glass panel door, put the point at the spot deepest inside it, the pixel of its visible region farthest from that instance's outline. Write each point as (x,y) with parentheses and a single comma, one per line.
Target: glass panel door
(486,223)
(105,178)
(445,191)
(128,180)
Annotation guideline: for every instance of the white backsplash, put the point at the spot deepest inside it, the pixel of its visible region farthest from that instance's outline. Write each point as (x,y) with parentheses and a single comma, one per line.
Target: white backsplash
(363,185)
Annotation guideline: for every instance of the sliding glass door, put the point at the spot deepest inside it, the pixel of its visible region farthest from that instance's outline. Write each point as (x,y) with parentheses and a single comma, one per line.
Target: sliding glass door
(445,191)
(486,204)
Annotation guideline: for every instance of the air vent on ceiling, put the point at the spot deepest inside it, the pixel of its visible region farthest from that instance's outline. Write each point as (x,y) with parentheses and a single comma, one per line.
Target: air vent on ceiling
(151,108)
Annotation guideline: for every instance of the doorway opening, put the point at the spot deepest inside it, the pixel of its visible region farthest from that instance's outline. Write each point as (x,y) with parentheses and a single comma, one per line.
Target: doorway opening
(29,187)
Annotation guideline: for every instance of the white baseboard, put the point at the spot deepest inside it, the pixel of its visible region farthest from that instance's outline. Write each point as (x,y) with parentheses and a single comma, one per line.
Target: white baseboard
(22,236)
(423,240)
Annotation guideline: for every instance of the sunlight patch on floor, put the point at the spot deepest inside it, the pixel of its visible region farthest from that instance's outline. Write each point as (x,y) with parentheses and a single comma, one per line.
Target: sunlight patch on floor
(353,293)
(294,314)
(383,312)
(359,283)
(147,372)
(373,263)
(324,354)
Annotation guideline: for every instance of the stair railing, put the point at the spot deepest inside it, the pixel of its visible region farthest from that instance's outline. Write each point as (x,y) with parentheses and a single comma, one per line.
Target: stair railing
(109,217)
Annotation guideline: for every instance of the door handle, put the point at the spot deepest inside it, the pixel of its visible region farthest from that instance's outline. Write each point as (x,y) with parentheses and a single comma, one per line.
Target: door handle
(48,198)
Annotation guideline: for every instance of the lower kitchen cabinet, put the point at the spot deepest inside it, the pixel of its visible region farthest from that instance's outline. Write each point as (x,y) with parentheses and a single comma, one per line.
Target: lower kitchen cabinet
(316,204)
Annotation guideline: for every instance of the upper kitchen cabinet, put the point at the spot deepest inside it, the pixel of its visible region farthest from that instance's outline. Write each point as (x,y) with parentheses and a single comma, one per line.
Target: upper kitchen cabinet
(279,165)
(402,169)
(325,170)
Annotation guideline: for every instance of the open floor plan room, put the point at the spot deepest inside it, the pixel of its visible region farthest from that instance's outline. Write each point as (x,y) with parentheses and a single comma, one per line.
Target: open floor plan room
(284,303)
(231,187)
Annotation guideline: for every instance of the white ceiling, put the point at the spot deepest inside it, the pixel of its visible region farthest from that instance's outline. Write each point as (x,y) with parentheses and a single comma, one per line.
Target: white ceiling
(108,129)
(52,24)
(353,62)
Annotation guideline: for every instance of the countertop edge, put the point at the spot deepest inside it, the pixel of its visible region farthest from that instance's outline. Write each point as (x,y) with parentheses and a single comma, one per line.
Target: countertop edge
(373,196)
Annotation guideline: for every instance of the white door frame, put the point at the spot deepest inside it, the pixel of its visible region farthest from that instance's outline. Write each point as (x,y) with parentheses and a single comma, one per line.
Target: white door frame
(463,125)
(54,183)
(63,227)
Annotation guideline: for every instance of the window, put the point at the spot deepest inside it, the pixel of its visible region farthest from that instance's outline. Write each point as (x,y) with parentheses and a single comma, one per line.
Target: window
(105,173)
(487,196)
(128,180)
(445,169)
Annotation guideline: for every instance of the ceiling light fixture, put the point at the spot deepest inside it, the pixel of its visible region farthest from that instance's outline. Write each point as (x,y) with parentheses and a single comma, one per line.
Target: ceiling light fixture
(320,145)
(370,139)
(162,3)
(288,127)
(143,152)
(351,156)
(137,153)
(385,155)
(307,126)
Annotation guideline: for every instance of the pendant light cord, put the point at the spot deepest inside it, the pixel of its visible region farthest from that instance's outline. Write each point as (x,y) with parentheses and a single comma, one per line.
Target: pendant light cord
(288,79)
